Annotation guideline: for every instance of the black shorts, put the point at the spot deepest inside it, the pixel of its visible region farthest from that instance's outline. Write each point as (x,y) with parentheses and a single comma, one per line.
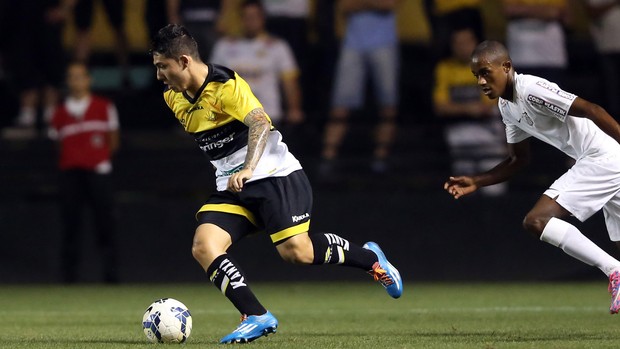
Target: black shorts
(279,206)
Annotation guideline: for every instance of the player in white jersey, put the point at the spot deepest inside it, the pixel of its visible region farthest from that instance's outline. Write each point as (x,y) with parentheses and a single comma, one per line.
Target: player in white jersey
(261,185)
(532,106)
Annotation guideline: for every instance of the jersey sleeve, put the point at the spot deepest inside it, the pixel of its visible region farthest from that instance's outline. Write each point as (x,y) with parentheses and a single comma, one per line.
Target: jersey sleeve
(237,98)
(549,98)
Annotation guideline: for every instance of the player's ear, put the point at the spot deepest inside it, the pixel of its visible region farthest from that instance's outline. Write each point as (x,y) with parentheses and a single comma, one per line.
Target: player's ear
(184,61)
(506,66)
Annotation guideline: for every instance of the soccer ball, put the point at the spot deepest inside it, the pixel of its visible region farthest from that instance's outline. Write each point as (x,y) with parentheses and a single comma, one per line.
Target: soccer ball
(167,321)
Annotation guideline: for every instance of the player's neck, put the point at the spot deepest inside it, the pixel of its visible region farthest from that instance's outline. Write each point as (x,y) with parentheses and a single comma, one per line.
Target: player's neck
(197,79)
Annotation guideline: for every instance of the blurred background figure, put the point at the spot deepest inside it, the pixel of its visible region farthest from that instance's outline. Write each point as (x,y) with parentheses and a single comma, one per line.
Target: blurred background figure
(473,129)
(83,17)
(87,129)
(266,62)
(535,37)
(446,15)
(35,50)
(605,29)
(203,18)
(289,20)
(369,47)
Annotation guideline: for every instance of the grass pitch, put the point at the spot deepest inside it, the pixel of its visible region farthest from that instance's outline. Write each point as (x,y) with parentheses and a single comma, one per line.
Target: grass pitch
(321,315)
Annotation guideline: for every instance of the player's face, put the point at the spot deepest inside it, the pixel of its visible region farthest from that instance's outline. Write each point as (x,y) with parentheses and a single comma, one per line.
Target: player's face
(492,77)
(170,72)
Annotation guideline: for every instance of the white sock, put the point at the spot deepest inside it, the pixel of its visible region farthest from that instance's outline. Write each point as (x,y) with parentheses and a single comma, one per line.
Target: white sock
(567,237)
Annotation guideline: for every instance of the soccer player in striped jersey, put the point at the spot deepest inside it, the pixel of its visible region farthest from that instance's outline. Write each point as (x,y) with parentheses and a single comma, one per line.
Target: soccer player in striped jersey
(261,186)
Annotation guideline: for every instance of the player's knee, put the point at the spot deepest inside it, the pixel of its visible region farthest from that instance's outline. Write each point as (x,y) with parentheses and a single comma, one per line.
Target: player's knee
(534,224)
(297,251)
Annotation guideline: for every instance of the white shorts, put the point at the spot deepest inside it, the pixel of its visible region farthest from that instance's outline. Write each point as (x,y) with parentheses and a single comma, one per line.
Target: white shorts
(591,184)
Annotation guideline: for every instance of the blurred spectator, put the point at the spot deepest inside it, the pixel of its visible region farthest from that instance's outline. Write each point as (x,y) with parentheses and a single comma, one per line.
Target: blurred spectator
(535,37)
(36,48)
(265,62)
(288,19)
(473,128)
(447,15)
(87,129)
(156,16)
(370,46)
(83,16)
(203,18)
(605,29)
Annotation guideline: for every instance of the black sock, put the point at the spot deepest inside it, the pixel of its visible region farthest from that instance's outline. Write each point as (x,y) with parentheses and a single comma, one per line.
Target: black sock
(230,279)
(330,248)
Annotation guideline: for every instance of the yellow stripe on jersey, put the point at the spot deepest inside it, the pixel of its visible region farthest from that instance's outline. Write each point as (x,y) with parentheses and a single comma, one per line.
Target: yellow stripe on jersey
(229,208)
(289,232)
(223,98)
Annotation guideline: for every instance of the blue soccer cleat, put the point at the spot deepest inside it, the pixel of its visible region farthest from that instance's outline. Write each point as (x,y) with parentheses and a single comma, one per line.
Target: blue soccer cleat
(384,272)
(252,327)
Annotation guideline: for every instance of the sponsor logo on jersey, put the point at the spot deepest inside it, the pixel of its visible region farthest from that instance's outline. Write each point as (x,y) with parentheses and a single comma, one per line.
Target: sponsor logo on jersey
(552,107)
(231,171)
(555,90)
(218,144)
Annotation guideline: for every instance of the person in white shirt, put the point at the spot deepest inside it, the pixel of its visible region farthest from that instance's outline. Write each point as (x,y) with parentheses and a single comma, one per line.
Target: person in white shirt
(532,106)
(266,63)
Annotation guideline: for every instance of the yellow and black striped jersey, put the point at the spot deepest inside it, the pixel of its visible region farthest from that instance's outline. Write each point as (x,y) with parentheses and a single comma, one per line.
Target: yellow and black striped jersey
(214,116)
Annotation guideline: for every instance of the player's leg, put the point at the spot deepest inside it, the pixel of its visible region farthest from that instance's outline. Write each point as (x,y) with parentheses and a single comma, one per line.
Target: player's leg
(286,208)
(545,221)
(330,248)
(216,233)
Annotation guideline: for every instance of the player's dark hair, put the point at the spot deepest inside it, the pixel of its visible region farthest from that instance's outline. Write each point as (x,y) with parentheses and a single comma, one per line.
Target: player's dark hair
(491,49)
(173,41)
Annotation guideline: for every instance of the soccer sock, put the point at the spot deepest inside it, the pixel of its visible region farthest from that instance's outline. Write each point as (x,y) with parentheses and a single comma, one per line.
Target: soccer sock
(226,275)
(567,237)
(330,248)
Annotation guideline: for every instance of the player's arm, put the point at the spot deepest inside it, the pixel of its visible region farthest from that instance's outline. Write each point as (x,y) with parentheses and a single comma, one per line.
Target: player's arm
(258,133)
(598,115)
(518,157)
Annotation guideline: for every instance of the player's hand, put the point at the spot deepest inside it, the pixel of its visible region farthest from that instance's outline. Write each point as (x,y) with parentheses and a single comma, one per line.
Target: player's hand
(459,186)
(237,180)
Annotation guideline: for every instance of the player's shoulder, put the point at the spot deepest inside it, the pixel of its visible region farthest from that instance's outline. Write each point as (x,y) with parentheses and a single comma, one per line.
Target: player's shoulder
(220,73)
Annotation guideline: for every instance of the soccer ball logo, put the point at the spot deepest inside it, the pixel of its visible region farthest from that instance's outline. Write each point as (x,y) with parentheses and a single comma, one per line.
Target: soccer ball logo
(167,321)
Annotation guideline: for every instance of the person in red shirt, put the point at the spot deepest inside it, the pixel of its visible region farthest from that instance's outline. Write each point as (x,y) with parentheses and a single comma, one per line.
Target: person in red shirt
(87,130)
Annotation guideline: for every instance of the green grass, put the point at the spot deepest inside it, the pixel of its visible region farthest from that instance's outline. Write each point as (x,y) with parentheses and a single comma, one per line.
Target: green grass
(322,315)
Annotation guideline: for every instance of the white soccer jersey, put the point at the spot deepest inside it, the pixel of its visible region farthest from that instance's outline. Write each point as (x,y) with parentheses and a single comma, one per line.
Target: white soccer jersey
(540,109)
(261,61)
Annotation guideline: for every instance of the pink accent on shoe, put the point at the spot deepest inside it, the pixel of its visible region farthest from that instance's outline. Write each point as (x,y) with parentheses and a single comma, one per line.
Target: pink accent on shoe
(614,286)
